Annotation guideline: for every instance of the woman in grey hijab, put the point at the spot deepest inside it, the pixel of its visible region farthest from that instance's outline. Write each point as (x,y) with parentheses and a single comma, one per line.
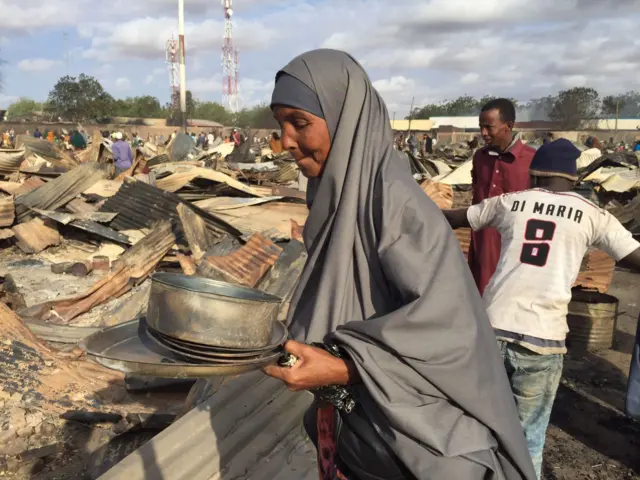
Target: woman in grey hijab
(386,285)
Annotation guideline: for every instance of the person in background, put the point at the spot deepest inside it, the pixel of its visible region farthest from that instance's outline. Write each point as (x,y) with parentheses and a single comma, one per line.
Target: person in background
(636,147)
(632,404)
(546,232)
(77,141)
(428,144)
(237,139)
(122,154)
(501,166)
(412,143)
(37,134)
(210,139)
(276,143)
(27,133)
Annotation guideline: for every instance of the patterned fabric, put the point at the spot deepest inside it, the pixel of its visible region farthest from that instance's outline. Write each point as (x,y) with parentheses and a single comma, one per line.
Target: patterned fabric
(327,447)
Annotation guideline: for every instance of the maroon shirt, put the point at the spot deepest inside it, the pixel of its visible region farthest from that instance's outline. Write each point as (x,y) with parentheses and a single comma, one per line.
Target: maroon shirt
(494,174)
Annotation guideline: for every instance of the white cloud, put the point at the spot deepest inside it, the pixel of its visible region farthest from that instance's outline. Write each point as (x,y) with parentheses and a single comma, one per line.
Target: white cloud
(155,73)
(427,49)
(123,83)
(469,78)
(37,64)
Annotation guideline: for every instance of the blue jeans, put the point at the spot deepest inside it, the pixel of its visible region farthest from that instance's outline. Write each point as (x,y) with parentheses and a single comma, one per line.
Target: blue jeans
(633,389)
(534,382)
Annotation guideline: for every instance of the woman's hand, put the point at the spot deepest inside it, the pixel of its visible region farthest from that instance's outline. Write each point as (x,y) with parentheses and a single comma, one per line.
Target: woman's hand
(315,368)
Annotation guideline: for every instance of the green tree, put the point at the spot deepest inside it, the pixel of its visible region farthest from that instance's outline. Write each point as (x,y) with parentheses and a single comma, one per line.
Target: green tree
(212,111)
(175,116)
(79,99)
(23,106)
(612,105)
(138,107)
(464,105)
(259,116)
(574,105)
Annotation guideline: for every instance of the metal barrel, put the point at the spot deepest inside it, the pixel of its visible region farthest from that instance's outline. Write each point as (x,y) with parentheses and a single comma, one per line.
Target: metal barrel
(592,320)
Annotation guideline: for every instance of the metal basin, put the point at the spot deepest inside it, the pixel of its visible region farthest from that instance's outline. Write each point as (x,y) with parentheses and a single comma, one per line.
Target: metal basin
(209,312)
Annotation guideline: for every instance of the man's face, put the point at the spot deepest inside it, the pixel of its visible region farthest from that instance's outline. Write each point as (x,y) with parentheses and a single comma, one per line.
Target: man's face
(494,131)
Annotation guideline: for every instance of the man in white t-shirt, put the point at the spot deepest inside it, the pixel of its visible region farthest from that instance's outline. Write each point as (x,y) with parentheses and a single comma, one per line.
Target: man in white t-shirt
(545,232)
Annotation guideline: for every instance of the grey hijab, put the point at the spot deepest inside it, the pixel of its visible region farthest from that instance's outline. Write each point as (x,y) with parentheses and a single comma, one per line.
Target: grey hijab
(386,279)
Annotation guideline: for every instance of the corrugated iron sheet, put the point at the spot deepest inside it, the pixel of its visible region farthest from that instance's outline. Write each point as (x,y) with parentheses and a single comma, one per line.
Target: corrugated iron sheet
(440,193)
(7,212)
(251,428)
(596,271)
(178,180)
(139,205)
(10,160)
(29,185)
(272,219)
(46,150)
(61,190)
(247,265)
(464,238)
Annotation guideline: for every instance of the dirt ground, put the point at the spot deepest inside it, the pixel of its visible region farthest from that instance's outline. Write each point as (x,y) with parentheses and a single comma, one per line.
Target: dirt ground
(589,436)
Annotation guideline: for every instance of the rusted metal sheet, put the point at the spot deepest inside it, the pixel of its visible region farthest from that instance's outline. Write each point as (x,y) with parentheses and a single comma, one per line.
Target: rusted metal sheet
(46,150)
(251,428)
(29,185)
(7,212)
(58,192)
(247,265)
(34,236)
(272,219)
(178,180)
(196,233)
(282,278)
(596,271)
(464,238)
(10,160)
(140,205)
(440,193)
(78,205)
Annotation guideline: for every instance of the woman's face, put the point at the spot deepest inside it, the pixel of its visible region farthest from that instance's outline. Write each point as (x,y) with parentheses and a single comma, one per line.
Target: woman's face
(306,137)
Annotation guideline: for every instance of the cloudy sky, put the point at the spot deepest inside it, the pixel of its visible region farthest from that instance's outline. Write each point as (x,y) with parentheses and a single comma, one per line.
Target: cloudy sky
(430,49)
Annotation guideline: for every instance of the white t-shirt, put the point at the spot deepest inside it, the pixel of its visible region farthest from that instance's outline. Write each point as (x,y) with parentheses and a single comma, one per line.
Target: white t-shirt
(545,236)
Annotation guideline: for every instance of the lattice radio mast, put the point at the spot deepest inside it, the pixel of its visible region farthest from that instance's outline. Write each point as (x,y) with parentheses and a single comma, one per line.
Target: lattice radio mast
(174,73)
(230,95)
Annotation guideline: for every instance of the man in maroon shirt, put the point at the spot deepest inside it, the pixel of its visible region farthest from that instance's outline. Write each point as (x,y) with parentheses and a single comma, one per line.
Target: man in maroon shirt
(501,166)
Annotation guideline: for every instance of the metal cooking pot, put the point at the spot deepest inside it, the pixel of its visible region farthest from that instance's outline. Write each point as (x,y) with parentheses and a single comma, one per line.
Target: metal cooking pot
(210,312)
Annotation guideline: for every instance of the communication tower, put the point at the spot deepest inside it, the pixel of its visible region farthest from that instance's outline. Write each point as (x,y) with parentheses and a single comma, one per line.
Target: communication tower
(230,95)
(174,72)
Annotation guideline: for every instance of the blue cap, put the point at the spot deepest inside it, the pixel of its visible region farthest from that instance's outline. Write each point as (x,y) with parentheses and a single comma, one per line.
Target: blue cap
(556,159)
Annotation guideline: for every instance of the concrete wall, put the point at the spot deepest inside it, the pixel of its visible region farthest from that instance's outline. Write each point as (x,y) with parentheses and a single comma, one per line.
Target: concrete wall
(610,124)
(416,125)
(458,122)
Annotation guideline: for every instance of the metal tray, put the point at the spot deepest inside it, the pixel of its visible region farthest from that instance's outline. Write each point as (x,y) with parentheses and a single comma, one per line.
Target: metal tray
(128,348)
(195,355)
(278,337)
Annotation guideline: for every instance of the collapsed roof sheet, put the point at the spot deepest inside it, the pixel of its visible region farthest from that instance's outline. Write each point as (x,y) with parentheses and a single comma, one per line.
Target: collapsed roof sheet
(58,192)
(178,180)
(139,205)
(10,160)
(46,150)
